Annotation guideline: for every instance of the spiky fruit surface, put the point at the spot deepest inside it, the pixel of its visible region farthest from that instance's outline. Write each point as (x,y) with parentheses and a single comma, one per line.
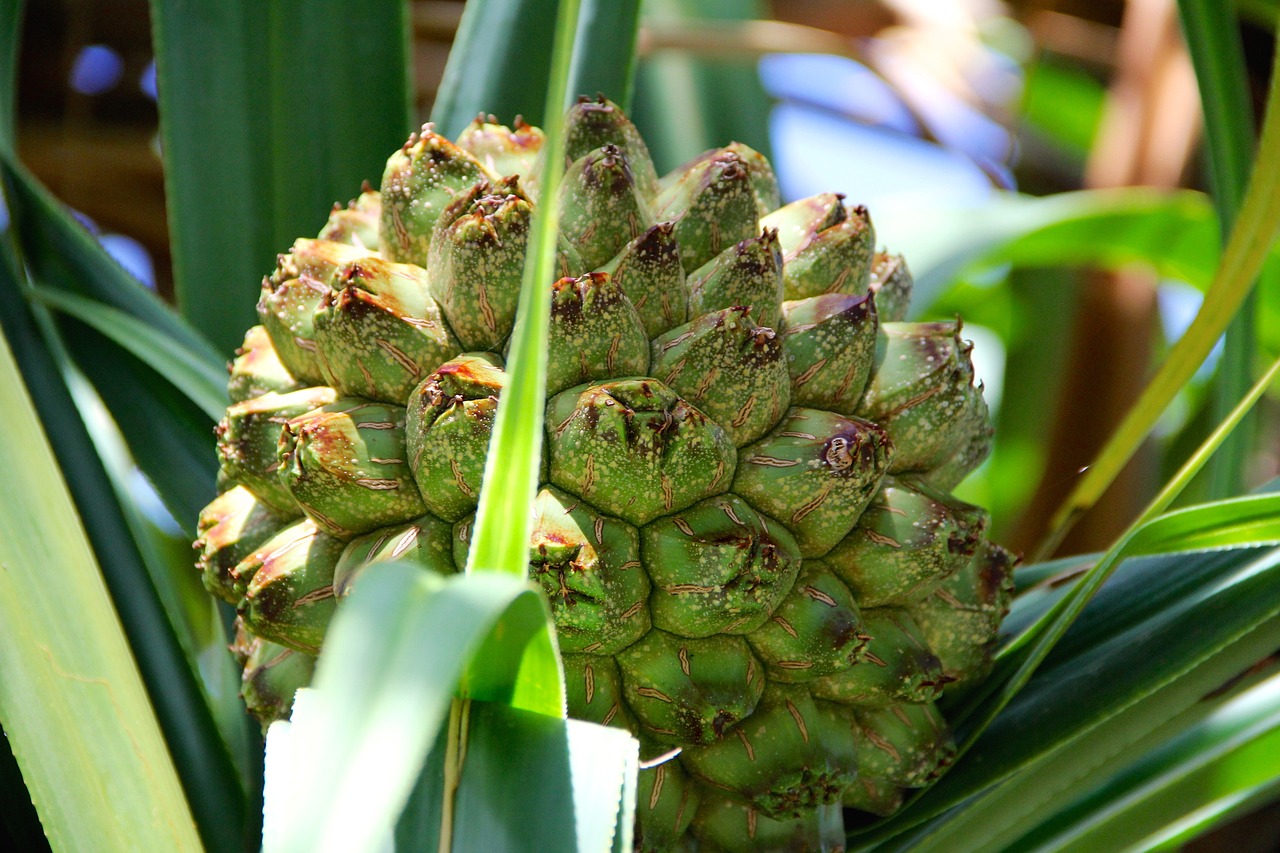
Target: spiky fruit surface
(745,529)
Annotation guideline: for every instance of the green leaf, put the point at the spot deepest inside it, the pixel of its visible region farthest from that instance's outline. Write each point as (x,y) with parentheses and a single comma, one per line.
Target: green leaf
(1252,239)
(207,770)
(168,434)
(1093,696)
(604,57)
(685,103)
(1213,40)
(504,521)
(10,36)
(310,98)
(501,60)
(73,703)
(1175,232)
(201,379)
(339,774)
(537,782)
(1181,786)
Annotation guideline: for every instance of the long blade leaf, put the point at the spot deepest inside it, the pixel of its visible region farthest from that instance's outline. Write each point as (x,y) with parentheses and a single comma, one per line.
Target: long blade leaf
(73,704)
(310,97)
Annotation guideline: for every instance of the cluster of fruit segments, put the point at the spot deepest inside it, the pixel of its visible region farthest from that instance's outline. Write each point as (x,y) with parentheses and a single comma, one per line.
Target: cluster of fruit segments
(745,528)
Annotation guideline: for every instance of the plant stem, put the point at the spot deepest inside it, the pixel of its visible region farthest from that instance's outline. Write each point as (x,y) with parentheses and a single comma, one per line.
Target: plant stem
(1210,30)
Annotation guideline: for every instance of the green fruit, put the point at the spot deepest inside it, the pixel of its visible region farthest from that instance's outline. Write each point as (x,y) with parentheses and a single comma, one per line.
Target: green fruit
(744,527)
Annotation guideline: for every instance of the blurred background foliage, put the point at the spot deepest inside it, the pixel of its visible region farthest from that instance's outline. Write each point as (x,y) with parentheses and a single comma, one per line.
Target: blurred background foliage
(924,110)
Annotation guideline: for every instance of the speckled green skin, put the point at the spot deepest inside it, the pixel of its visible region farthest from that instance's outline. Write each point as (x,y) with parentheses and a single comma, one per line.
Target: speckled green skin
(815,631)
(345,464)
(747,273)
(891,283)
(906,542)
(290,296)
(288,586)
(272,675)
(686,690)
(898,667)
(448,425)
(816,472)
(780,760)
(357,223)
(601,210)
(961,620)
(713,206)
(420,181)
(504,150)
(379,332)
(649,271)
(229,529)
(591,124)
(595,333)
(249,438)
(744,526)
(718,567)
(830,343)
(665,805)
(729,367)
(921,392)
(425,541)
(257,369)
(635,449)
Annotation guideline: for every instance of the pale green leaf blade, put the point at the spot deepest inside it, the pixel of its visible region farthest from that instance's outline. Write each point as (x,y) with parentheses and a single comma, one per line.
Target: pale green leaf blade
(503,519)
(201,379)
(73,704)
(359,739)
(212,773)
(537,782)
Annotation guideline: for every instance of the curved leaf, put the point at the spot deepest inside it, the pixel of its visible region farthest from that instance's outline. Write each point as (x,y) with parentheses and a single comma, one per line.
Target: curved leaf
(201,379)
(1219,760)
(73,703)
(343,769)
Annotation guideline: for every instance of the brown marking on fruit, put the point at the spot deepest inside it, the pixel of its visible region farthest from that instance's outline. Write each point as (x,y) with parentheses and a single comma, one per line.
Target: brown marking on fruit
(668,493)
(683,526)
(773,462)
(813,371)
(795,664)
(881,744)
(746,744)
(683,657)
(659,779)
(786,626)
(799,515)
(391,460)
(589,682)
(654,693)
(315,595)
(632,610)
(589,474)
(398,355)
(377,425)
(407,541)
(875,660)
(459,480)
(751,822)
(377,484)
(613,712)
(799,718)
(683,588)
(744,413)
(818,595)
(882,539)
